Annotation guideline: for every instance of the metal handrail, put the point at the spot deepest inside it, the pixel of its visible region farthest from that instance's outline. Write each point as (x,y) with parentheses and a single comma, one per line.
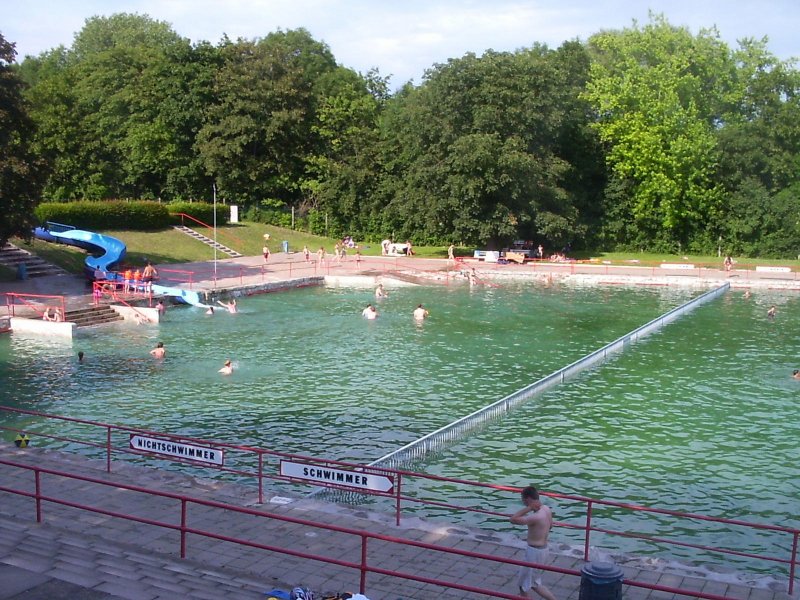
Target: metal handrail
(22,297)
(397,495)
(364,566)
(207,226)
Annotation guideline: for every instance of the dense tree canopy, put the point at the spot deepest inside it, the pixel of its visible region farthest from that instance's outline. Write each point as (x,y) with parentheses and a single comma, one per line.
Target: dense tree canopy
(650,137)
(20,171)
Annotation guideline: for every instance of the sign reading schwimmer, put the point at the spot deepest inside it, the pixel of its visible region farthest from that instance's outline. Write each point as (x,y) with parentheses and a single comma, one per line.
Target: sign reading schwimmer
(352,479)
(209,456)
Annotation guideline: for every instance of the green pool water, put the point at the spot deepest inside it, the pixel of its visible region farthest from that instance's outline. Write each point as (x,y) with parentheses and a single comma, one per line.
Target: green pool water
(700,417)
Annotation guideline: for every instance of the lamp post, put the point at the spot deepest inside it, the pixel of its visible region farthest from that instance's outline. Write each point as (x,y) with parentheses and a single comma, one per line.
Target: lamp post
(215,235)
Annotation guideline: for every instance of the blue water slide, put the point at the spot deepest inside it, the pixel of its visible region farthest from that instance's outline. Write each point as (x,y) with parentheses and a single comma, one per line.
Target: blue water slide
(105,254)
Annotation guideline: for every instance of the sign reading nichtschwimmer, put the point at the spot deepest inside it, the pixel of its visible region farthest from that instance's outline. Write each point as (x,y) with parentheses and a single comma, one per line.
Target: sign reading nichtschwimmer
(202,454)
(356,480)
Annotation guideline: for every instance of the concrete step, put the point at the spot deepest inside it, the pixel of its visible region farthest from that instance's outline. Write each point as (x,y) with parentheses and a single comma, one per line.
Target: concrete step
(12,256)
(94,315)
(207,241)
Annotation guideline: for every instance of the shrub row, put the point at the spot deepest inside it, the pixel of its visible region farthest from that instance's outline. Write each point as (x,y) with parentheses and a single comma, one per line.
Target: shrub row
(113,214)
(136,215)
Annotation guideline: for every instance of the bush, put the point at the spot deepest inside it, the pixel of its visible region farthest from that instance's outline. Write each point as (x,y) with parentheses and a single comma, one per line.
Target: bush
(202,211)
(112,214)
(270,216)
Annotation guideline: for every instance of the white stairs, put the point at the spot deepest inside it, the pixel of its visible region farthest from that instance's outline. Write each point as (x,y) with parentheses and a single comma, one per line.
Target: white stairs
(207,241)
(11,256)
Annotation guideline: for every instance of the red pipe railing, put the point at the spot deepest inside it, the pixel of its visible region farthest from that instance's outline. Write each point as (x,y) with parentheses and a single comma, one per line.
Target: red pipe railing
(364,566)
(12,297)
(225,234)
(257,471)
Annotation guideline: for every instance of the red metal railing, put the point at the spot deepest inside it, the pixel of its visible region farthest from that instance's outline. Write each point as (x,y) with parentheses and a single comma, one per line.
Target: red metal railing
(224,233)
(253,466)
(364,566)
(109,288)
(32,301)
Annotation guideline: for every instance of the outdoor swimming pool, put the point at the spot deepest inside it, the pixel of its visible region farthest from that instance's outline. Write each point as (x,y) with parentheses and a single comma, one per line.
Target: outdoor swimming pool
(700,417)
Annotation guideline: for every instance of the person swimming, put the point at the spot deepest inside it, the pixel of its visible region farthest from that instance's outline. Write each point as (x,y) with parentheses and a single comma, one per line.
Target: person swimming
(210,310)
(420,314)
(159,351)
(796,374)
(772,312)
(227,368)
(231,306)
(369,313)
(380,292)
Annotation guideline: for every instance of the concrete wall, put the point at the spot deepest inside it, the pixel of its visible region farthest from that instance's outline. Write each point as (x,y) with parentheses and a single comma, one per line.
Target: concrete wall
(130,314)
(40,327)
(210,297)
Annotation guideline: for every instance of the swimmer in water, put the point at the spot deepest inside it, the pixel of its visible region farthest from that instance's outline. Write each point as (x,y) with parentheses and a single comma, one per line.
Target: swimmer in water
(159,351)
(80,357)
(369,313)
(420,314)
(210,310)
(796,374)
(747,295)
(772,312)
(227,369)
(231,306)
(380,292)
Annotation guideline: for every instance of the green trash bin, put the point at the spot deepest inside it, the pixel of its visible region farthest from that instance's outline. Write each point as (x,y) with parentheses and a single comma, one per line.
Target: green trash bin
(22,271)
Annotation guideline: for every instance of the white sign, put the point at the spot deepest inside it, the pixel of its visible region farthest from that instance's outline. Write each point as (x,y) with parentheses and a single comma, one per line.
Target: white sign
(676,266)
(210,456)
(234,214)
(774,269)
(351,479)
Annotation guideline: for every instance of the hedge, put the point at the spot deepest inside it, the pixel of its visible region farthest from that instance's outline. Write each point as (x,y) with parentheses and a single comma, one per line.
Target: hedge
(202,211)
(112,214)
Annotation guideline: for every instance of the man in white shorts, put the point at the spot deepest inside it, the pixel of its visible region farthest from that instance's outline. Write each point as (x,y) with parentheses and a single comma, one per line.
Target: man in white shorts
(539,520)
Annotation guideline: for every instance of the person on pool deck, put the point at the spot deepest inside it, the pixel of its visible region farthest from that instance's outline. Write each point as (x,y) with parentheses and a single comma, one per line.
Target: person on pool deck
(159,351)
(369,313)
(451,252)
(306,253)
(265,252)
(771,312)
(380,292)
(796,374)
(320,256)
(420,314)
(539,520)
(231,306)
(227,368)
(149,274)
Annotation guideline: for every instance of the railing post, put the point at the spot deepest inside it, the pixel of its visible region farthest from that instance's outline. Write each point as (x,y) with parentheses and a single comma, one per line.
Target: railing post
(37,479)
(793,564)
(183,527)
(397,507)
(587,531)
(362,586)
(260,478)
(108,448)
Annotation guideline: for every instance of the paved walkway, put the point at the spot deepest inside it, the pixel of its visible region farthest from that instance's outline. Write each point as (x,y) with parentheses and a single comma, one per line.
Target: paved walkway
(107,555)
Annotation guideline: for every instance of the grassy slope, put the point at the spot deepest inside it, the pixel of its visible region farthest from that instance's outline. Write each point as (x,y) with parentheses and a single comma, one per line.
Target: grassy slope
(170,246)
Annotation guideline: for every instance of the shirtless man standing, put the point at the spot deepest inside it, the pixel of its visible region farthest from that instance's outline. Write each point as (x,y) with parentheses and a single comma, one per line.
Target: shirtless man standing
(539,520)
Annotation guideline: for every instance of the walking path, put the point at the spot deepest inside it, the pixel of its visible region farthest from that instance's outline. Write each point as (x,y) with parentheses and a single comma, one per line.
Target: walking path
(107,555)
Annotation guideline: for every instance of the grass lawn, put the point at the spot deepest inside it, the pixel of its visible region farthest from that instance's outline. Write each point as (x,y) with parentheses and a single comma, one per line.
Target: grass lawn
(170,246)
(648,259)
(7,274)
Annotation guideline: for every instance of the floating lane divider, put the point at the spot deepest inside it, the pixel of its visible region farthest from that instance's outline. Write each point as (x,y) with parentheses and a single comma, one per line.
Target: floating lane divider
(458,429)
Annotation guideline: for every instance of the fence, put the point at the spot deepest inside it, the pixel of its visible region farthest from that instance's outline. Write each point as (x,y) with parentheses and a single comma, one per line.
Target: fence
(364,565)
(39,303)
(456,430)
(249,463)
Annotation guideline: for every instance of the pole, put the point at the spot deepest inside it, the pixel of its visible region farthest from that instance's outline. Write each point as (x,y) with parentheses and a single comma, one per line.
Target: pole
(215,235)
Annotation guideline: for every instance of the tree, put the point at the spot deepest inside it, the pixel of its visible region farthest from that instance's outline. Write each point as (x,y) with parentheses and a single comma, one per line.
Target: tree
(258,131)
(658,92)
(20,171)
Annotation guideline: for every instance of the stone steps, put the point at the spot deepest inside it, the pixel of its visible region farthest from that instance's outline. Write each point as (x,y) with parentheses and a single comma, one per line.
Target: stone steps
(94,315)
(207,241)
(12,256)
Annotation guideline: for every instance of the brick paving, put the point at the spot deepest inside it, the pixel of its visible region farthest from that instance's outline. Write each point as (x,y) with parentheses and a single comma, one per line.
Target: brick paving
(99,556)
